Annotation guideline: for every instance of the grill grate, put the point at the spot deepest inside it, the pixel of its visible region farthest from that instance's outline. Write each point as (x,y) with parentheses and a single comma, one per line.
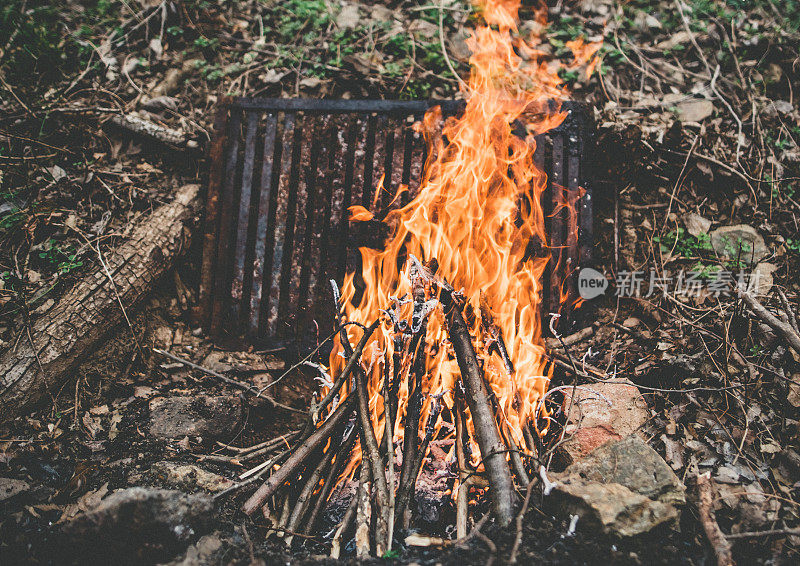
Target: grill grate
(283,173)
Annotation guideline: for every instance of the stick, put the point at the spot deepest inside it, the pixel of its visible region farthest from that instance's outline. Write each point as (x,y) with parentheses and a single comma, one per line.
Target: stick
(783,328)
(353,360)
(375,461)
(347,520)
(297,458)
(769,533)
(388,437)
(512,559)
(411,426)
(487,435)
(464,480)
(342,457)
(406,491)
(301,506)
(496,342)
(719,543)
(227,380)
(363,514)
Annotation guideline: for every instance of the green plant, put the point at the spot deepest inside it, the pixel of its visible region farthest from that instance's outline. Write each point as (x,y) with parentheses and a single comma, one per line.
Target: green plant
(683,244)
(302,14)
(64,259)
(203,42)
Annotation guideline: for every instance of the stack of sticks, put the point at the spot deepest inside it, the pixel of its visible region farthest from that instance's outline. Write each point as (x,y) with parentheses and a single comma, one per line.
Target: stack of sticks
(307,465)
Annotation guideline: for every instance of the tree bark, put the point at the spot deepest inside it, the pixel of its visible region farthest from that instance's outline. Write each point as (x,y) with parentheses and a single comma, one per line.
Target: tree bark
(43,356)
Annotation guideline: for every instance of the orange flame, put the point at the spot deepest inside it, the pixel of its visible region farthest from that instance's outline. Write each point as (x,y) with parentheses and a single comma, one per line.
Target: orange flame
(476,211)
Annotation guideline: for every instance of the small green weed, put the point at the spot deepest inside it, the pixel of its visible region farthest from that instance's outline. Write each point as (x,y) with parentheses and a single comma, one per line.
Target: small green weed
(683,244)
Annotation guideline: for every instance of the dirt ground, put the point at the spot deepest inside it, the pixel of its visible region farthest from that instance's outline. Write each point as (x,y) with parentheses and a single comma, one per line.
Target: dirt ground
(698,129)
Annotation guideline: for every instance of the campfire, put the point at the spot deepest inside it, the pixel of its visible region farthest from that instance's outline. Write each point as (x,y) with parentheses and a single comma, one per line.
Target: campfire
(440,355)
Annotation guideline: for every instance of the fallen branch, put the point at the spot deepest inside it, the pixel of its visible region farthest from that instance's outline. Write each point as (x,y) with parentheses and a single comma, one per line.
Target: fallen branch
(785,329)
(705,506)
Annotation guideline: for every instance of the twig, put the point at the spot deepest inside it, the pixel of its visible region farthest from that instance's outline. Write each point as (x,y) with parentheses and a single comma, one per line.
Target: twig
(444,48)
(375,461)
(512,559)
(227,380)
(783,328)
(769,533)
(719,543)
(354,359)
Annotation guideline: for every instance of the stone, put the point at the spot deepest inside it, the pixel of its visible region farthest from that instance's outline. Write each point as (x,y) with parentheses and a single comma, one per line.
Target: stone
(695,110)
(188,477)
(632,463)
(762,280)
(600,413)
(696,224)
(201,415)
(611,507)
(10,487)
(203,553)
(741,242)
(136,526)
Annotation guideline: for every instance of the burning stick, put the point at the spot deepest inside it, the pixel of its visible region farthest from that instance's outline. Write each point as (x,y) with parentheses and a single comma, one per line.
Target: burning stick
(303,500)
(492,448)
(417,274)
(464,479)
(342,457)
(375,461)
(299,456)
(496,342)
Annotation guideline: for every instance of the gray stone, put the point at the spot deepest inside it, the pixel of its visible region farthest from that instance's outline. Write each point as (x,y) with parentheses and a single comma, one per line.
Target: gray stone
(695,110)
(623,487)
(600,413)
(201,415)
(188,477)
(135,526)
(741,242)
(203,553)
(632,463)
(611,507)
(10,487)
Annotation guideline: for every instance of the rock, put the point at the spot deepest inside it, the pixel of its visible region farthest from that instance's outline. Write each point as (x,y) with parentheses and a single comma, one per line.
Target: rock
(695,110)
(202,415)
(739,242)
(14,494)
(136,526)
(761,280)
(600,413)
(611,507)
(10,487)
(348,17)
(188,477)
(632,463)
(202,553)
(696,224)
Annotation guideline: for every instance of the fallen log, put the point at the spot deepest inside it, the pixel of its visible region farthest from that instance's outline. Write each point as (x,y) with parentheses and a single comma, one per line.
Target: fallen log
(40,362)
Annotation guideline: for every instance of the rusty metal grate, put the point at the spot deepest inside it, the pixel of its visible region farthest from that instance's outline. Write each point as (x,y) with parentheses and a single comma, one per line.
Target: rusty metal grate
(283,173)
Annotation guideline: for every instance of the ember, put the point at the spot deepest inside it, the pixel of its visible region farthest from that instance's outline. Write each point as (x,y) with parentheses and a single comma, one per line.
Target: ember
(448,328)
